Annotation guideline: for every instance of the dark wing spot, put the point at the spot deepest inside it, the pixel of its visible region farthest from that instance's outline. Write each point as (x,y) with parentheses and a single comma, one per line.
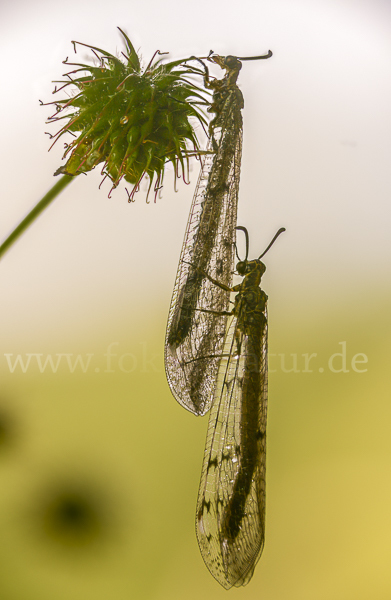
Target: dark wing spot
(212,463)
(205,504)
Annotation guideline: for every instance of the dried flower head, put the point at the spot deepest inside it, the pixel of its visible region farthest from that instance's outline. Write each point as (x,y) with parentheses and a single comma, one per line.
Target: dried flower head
(132,120)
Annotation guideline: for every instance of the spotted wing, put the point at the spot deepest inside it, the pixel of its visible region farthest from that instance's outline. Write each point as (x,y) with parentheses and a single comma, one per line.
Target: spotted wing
(230,518)
(195,335)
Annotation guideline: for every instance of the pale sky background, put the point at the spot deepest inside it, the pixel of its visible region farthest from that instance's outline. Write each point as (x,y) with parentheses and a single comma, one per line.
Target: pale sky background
(93,271)
(317,146)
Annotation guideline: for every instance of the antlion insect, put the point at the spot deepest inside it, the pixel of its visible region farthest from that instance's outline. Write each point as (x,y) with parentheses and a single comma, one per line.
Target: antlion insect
(230,518)
(208,247)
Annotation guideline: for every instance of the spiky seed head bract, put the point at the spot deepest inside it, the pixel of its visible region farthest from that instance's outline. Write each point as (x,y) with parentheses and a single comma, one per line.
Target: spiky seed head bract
(132,120)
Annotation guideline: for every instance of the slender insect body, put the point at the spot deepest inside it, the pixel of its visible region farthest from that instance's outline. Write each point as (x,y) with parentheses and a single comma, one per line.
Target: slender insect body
(218,357)
(230,519)
(208,246)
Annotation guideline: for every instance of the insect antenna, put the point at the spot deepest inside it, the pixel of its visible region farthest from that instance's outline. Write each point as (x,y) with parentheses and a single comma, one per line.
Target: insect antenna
(247,243)
(263,56)
(268,55)
(272,242)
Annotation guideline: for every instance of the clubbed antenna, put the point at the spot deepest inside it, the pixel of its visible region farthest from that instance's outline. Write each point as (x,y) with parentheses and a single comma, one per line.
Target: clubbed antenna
(279,232)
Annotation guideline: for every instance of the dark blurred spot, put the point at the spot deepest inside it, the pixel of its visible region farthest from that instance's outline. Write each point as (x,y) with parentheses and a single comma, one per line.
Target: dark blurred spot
(73,517)
(6,430)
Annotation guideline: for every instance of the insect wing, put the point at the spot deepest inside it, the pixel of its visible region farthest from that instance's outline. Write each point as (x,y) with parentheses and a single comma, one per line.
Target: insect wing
(195,335)
(230,518)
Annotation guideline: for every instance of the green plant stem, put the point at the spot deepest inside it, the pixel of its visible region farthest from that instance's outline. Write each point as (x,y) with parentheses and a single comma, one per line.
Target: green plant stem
(37,210)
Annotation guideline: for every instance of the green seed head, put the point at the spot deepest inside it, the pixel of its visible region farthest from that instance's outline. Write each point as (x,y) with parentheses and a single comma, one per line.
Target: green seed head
(132,120)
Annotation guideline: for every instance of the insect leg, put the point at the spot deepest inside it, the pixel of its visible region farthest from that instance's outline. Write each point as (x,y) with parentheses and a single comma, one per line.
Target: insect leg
(215,312)
(218,283)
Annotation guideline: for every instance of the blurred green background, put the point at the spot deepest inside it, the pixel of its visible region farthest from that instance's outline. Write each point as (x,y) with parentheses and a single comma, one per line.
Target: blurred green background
(99,469)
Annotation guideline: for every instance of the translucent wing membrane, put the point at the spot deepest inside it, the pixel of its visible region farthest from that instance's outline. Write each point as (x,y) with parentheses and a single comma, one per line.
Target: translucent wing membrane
(216,352)
(195,336)
(230,519)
